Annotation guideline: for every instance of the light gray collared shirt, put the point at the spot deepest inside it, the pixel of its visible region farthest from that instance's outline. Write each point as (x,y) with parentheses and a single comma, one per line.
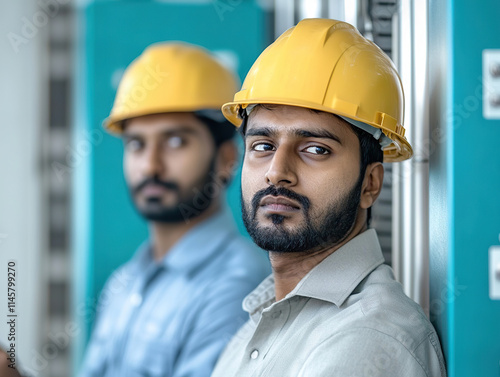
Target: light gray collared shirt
(347,317)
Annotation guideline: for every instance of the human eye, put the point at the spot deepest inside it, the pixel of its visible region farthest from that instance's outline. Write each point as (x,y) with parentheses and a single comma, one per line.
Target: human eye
(262,147)
(175,142)
(315,149)
(133,144)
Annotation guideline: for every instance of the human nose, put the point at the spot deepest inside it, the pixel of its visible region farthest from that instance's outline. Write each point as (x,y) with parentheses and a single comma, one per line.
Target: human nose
(153,162)
(281,171)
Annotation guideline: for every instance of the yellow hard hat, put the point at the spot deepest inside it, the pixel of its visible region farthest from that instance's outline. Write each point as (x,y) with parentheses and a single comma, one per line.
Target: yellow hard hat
(171,77)
(328,65)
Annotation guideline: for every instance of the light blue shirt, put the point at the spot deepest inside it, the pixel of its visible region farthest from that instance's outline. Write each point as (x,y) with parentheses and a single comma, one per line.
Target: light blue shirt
(173,318)
(346,317)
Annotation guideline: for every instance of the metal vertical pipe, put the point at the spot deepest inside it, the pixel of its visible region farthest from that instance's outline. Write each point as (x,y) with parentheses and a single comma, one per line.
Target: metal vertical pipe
(310,9)
(336,9)
(410,187)
(351,9)
(284,16)
(402,209)
(420,135)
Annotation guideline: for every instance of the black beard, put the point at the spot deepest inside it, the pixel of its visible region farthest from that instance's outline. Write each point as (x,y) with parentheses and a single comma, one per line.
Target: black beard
(332,226)
(188,205)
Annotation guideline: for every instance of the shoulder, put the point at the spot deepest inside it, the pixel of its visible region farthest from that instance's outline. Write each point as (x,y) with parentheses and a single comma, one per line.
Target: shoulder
(391,326)
(120,282)
(368,351)
(387,308)
(122,276)
(134,266)
(239,258)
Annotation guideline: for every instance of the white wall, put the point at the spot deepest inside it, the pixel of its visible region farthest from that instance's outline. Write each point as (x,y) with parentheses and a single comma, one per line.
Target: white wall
(22,95)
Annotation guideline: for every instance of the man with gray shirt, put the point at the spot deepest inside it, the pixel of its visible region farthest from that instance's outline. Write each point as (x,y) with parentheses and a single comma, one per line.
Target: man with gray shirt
(320,110)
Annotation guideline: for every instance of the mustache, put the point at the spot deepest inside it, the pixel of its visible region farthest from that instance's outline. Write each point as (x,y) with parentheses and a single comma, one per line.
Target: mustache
(304,202)
(169,185)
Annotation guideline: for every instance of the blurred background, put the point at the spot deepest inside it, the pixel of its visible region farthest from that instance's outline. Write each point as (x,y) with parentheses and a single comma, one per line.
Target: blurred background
(65,217)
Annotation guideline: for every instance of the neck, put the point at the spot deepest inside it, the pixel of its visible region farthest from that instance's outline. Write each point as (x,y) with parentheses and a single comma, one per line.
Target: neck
(165,235)
(290,268)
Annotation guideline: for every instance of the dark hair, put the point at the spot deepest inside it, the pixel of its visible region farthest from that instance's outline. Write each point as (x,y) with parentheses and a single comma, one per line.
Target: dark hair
(369,147)
(221,130)
(370,152)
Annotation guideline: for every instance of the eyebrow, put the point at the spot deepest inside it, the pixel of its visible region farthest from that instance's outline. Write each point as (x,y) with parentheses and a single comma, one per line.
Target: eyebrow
(261,131)
(316,133)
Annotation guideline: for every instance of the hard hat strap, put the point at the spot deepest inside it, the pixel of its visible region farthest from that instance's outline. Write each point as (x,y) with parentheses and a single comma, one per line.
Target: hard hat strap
(374,131)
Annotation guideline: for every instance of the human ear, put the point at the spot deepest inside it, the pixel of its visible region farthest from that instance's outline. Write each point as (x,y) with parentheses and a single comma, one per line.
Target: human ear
(227,158)
(372,184)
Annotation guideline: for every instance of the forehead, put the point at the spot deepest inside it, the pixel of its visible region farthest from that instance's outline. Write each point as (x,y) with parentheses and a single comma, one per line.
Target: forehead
(161,123)
(283,120)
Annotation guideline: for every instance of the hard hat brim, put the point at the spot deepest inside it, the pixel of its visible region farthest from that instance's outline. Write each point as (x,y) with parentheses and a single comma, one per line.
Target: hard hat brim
(114,125)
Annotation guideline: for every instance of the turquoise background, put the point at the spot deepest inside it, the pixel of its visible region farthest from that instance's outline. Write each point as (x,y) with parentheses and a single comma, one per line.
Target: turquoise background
(465,187)
(475,167)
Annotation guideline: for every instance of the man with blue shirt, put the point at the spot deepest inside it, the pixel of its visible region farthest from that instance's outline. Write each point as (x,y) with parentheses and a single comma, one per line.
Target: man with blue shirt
(171,309)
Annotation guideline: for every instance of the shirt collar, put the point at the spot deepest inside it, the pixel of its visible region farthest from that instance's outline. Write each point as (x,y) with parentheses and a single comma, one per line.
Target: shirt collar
(142,258)
(195,247)
(332,280)
(260,298)
(336,277)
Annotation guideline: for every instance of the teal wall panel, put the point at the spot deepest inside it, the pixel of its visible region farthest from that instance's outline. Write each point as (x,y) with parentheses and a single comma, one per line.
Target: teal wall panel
(464,187)
(476,183)
(111,34)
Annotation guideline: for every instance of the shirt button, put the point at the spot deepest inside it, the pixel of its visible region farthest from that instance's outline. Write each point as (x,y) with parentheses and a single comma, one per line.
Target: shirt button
(136,299)
(254,354)
(276,315)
